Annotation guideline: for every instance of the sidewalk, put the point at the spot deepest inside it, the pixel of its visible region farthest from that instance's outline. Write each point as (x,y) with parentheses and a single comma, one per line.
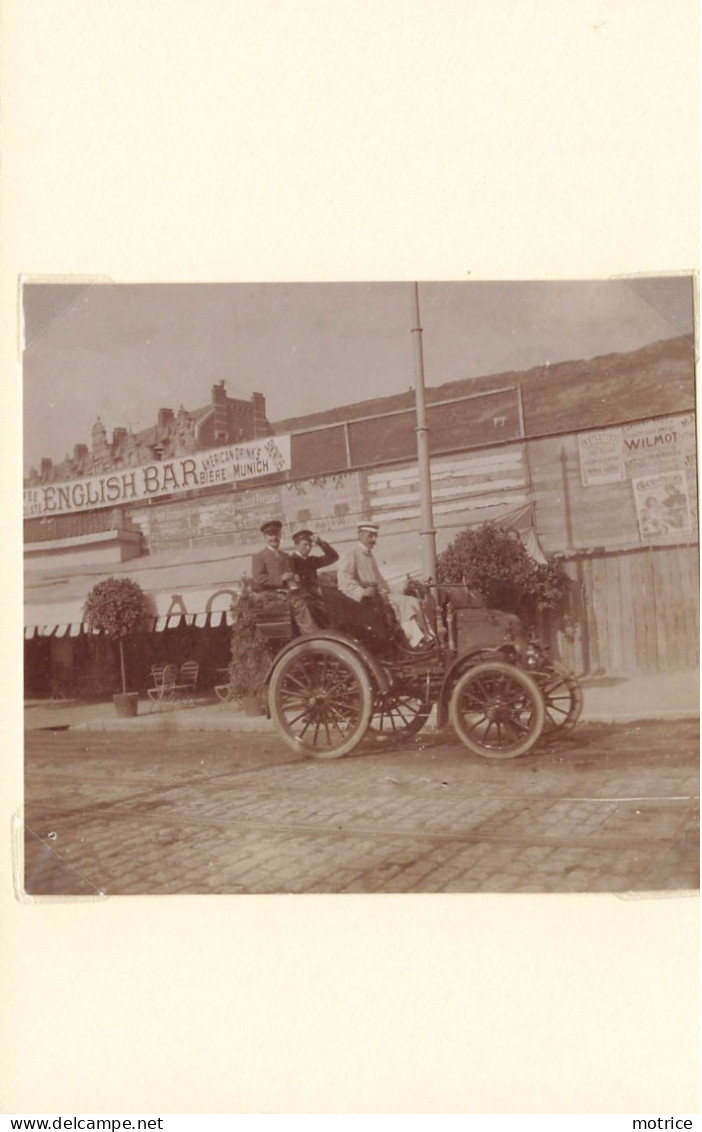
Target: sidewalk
(607,699)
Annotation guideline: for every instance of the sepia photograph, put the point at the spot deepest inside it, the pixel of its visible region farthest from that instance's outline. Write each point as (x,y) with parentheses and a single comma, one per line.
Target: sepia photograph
(360,587)
(350,735)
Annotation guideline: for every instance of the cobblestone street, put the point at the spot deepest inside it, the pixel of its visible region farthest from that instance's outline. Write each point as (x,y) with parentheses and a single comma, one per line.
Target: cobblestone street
(610,809)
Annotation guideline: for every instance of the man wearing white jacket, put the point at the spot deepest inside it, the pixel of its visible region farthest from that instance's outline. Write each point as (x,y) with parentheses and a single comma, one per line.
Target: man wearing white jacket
(359,578)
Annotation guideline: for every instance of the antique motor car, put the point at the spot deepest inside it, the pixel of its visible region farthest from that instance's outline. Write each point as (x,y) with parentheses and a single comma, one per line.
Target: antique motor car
(357,678)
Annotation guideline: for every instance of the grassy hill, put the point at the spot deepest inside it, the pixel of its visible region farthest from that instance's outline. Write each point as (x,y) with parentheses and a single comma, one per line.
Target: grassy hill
(654,381)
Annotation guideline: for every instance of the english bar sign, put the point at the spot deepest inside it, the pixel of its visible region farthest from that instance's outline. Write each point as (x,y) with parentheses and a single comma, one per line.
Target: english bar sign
(164,477)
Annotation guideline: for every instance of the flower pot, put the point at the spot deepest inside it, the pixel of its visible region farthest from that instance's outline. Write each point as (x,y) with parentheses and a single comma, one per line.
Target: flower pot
(126,703)
(252,705)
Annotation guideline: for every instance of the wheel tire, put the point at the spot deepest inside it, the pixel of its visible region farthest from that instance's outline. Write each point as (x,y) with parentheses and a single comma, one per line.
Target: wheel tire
(563,698)
(497,710)
(398,714)
(320,699)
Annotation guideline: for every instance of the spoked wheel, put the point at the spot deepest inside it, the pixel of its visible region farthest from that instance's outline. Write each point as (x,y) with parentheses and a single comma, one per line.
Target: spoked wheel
(320,699)
(497,710)
(399,714)
(563,698)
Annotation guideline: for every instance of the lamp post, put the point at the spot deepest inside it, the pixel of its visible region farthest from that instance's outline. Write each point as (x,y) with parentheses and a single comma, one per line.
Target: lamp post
(427,532)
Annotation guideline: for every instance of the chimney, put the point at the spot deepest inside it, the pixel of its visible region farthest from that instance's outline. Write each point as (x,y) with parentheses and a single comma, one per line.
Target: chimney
(221,413)
(261,426)
(46,467)
(119,435)
(80,452)
(166,419)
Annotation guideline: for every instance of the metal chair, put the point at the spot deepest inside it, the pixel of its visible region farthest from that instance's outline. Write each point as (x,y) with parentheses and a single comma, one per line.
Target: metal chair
(223,691)
(164,677)
(187,681)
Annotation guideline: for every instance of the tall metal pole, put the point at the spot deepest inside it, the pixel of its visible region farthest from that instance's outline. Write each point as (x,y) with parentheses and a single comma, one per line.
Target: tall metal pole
(427,532)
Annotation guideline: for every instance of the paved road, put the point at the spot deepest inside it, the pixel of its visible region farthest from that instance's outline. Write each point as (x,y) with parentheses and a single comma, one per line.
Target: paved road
(611,808)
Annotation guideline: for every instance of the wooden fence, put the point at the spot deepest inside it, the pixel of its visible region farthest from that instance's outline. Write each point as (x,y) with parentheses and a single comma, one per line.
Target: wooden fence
(639,609)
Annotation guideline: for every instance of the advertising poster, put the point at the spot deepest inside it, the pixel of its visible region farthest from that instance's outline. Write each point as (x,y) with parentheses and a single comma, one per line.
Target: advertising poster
(614,454)
(601,457)
(662,505)
(664,445)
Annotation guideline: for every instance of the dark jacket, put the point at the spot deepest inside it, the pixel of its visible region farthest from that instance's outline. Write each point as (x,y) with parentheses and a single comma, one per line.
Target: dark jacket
(306,568)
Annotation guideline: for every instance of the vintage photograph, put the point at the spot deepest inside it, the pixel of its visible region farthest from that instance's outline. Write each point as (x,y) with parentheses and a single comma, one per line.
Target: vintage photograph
(360,587)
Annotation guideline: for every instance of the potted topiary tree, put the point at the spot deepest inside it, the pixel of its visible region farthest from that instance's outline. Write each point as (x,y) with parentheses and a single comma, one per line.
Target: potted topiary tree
(118,607)
(251,656)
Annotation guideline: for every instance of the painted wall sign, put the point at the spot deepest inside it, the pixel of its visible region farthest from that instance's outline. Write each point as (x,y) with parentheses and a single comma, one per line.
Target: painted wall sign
(226,519)
(168,477)
(327,503)
(486,482)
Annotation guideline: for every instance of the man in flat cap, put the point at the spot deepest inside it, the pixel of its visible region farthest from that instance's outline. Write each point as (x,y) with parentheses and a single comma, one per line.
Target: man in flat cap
(305,566)
(360,578)
(271,568)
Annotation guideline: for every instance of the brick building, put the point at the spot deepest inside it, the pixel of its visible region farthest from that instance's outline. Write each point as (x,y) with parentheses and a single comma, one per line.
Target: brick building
(226,420)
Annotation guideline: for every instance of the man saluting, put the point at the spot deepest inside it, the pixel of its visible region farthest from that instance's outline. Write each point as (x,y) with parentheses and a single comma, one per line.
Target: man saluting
(305,566)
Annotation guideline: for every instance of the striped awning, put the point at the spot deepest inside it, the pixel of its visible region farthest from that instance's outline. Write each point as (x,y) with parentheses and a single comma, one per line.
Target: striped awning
(38,625)
(176,601)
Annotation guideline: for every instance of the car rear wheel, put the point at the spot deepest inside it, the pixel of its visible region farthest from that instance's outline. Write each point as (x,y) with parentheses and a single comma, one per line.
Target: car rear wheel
(399,713)
(320,699)
(563,698)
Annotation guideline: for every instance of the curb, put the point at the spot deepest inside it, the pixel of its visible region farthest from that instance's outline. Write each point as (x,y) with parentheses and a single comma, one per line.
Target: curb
(263,724)
(669,714)
(166,723)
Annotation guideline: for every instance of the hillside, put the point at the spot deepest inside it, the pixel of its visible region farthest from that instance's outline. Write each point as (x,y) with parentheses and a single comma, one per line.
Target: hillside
(654,381)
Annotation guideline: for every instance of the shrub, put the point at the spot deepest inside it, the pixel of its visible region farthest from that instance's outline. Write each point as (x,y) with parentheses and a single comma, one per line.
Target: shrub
(495,562)
(251,655)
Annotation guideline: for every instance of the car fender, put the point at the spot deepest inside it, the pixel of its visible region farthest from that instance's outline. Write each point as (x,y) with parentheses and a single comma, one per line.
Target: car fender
(375,668)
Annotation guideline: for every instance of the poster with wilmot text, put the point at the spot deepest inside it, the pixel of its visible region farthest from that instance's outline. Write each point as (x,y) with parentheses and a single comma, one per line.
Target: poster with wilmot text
(611,455)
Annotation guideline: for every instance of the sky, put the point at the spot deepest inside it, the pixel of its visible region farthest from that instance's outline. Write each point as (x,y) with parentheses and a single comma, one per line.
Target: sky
(124,351)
